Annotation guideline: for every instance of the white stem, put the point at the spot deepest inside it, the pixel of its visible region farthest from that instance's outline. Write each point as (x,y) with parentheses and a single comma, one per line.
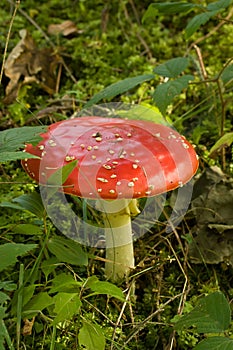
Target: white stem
(118,237)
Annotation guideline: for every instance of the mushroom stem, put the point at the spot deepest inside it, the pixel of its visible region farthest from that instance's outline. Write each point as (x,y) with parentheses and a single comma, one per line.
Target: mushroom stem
(118,236)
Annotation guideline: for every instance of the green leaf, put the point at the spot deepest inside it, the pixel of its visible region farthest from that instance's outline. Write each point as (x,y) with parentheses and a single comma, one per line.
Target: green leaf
(103,287)
(13,139)
(67,251)
(118,88)
(28,229)
(219,5)
(27,292)
(91,336)
(144,111)
(11,205)
(66,306)
(215,343)
(10,251)
(211,315)
(169,8)
(164,93)
(224,141)
(172,68)
(3,335)
(211,10)
(2,313)
(31,202)
(3,297)
(38,303)
(227,74)
(57,179)
(8,285)
(61,175)
(10,156)
(49,265)
(197,21)
(3,330)
(65,283)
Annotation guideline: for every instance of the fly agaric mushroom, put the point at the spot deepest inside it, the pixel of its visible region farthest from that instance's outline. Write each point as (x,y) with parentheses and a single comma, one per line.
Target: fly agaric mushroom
(118,161)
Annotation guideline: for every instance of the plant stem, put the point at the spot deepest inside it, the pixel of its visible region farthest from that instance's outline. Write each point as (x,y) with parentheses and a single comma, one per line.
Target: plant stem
(52,345)
(19,305)
(118,237)
(6,335)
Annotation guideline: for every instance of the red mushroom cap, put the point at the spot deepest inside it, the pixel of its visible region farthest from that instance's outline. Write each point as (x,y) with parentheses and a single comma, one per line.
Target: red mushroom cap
(116,158)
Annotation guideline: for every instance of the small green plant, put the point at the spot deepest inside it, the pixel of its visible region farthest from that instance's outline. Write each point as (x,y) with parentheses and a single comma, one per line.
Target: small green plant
(210,317)
(12,142)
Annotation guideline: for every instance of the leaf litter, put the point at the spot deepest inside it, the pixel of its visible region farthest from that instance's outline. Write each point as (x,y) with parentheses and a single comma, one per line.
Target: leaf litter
(27,64)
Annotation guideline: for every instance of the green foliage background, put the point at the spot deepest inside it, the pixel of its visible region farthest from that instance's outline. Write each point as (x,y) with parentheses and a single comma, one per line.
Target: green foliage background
(72,304)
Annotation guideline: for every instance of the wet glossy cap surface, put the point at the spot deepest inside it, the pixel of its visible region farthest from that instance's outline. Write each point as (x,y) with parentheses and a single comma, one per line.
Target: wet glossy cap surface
(116,158)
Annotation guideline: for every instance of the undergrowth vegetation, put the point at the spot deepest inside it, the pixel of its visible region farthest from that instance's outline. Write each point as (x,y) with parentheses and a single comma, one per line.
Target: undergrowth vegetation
(174,59)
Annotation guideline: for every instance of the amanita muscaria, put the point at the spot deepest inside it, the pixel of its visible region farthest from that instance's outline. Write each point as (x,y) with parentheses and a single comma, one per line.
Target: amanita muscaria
(118,161)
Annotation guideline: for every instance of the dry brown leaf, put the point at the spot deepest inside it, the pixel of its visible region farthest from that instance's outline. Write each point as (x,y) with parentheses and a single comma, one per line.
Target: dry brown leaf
(44,68)
(27,328)
(65,28)
(27,64)
(16,63)
(213,208)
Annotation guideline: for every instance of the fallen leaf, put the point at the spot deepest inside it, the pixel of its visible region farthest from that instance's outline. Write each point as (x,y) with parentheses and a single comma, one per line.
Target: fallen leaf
(27,327)
(16,63)
(213,208)
(65,28)
(211,246)
(44,68)
(26,64)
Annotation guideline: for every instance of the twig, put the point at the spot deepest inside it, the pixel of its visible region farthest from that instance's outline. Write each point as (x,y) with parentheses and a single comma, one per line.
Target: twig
(132,4)
(201,62)
(58,78)
(224,67)
(221,97)
(31,20)
(19,305)
(142,324)
(174,231)
(143,42)
(223,117)
(159,288)
(183,294)
(99,311)
(222,108)
(120,316)
(16,5)
(13,182)
(215,29)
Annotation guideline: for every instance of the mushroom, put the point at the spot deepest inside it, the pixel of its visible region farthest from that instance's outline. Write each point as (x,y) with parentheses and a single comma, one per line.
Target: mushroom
(118,161)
